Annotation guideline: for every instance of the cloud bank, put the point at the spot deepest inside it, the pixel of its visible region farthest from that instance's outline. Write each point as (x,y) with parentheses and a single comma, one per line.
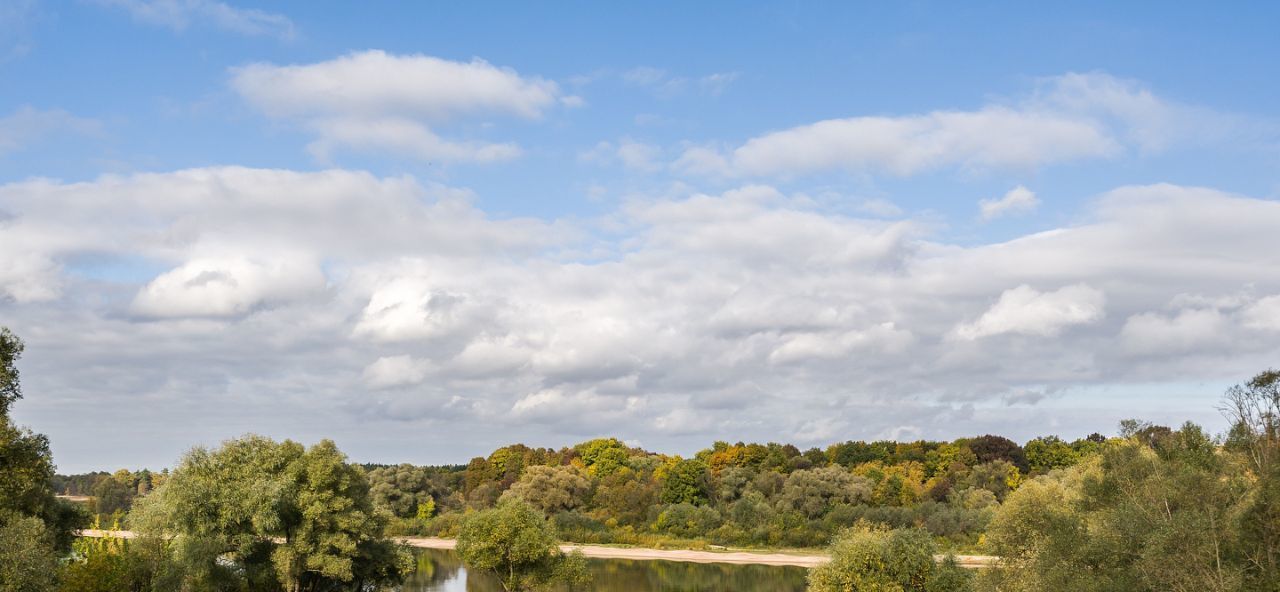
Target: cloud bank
(749,313)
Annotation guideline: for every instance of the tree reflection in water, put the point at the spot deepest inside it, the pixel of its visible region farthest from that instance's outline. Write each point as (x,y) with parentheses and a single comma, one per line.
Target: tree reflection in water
(442,571)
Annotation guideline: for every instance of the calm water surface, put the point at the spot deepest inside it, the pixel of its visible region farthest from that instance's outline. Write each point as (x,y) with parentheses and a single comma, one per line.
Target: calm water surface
(442,571)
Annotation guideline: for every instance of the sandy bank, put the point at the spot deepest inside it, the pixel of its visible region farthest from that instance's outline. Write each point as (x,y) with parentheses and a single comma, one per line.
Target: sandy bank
(599,552)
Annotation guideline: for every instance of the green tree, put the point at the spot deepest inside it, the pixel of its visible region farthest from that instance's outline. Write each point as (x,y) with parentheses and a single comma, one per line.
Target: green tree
(1049,452)
(402,488)
(1254,411)
(552,489)
(258,513)
(602,456)
(814,492)
(28,562)
(516,543)
(113,493)
(10,352)
(1134,517)
(872,559)
(26,463)
(685,482)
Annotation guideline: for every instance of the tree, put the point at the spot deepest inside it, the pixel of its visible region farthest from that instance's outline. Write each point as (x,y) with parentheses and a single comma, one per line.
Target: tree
(990,448)
(551,489)
(865,558)
(516,543)
(814,492)
(998,476)
(28,562)
(1133,517)
(113,493)
(403,488)
(26,463)
(685,482)
(10,351)
(625,496)
(602,456)
(1049,452)
(258,513)
(1254,411)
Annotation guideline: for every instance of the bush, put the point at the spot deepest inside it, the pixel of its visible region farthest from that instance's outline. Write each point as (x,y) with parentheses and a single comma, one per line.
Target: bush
(868,558)
(687,520)
(28,562)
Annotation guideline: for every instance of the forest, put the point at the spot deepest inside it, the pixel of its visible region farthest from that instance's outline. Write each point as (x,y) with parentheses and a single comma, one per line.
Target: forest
(1152,508)
(746,495)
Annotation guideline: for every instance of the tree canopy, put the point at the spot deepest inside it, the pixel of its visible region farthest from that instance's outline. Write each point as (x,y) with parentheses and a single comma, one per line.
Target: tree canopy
(259,511)
(516,543)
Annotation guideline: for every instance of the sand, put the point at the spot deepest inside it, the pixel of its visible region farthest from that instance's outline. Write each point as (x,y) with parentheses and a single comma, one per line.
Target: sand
(600,552)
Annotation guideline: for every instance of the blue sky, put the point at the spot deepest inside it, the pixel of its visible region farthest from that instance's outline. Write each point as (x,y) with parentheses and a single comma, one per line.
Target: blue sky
(489,216)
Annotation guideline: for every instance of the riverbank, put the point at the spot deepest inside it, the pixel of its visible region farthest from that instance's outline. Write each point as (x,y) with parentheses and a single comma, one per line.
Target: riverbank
(639,554)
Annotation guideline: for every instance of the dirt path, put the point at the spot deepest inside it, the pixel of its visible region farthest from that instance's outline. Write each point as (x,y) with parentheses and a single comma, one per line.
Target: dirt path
(599,552)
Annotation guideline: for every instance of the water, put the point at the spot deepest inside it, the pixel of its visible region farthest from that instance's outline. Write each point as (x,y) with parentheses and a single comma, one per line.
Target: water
(442,571)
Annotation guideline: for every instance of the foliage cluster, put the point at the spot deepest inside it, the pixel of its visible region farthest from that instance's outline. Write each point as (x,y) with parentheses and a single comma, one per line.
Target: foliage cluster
(603,491)
(1159,510)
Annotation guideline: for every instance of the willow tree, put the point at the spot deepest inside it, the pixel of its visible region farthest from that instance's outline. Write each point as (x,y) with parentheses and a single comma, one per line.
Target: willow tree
(515,543)
(258,513)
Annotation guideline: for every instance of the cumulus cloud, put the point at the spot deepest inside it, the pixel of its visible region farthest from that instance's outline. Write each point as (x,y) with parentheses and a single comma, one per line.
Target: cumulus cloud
(224,287)
(238,236)
(1024,310)
(1018,199)
(373,100)
(1067,118)
(178,15)
(375,302)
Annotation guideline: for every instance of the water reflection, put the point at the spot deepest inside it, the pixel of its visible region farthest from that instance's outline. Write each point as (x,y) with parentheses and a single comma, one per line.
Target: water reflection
(442,571)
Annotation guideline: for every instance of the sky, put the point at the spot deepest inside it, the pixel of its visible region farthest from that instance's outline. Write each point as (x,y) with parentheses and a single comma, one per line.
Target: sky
(427,230)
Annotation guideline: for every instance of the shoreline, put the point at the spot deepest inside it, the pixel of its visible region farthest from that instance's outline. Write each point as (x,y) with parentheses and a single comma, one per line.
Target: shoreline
(642,554)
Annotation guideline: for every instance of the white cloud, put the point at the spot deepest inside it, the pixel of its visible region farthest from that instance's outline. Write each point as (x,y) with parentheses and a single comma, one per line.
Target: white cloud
(1263,314)
(1024,310)
(1157,334)
(199,219)
(28,125)
(373,100)
(407,309)
(381,304)
(993,137)
(395,371)
(403,137)
(1068,118)
(178,15)
(1018,199)
(225,287)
